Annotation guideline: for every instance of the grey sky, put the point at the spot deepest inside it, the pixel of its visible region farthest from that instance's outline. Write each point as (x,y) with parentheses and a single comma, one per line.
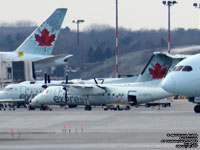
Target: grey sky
(133,14)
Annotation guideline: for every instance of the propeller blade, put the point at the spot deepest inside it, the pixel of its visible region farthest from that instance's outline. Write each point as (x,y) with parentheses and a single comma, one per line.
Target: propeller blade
(49,79)
(66,79)
(45,78)
(95,81)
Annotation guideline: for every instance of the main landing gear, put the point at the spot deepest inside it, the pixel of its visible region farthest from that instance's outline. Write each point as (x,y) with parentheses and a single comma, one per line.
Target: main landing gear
(88,107)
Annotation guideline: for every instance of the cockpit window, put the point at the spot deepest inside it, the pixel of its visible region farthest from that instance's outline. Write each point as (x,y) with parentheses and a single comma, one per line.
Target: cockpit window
(187,68)
(8,89)
(177,68)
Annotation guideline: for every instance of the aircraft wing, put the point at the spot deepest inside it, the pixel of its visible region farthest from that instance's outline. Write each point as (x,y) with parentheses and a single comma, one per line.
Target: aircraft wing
(86,89)
(52,61)
(11,100)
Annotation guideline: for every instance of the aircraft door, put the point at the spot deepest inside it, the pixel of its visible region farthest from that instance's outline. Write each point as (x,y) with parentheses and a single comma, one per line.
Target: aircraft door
(132,97)
(23,90)
(23,93)
(56,92)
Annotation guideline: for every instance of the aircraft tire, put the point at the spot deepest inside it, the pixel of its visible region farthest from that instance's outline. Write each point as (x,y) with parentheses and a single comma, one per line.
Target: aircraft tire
(88,107)
(105,109)
(30,107)
(197,109)
(127,108)
(147,105)
(72,106)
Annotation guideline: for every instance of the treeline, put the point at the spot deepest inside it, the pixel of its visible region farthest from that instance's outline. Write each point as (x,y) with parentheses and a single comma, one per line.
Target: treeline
(98,43)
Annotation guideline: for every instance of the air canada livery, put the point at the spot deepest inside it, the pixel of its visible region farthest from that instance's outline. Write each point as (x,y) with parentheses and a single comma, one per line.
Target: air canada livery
(39,45)
(144,89)
(184,80)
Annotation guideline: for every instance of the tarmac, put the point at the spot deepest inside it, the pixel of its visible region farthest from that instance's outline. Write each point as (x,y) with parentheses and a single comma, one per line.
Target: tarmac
(76,129)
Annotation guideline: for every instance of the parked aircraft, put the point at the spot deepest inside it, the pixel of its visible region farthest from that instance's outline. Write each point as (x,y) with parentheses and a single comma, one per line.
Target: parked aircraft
(145,89)
(39,45)
(22,93)
(184,80)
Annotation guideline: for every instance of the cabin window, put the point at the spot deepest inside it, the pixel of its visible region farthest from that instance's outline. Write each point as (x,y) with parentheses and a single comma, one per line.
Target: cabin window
(187,68)
(177,68)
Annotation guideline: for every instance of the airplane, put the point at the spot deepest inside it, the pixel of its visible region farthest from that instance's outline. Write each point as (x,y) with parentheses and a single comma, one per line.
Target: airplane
(184,80)
(145,89)
(39,45)
(20,94)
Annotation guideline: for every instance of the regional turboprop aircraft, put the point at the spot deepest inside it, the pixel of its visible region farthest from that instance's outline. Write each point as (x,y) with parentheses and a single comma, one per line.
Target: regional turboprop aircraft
(184,80)
(22,93)
(39,45)
(145,89)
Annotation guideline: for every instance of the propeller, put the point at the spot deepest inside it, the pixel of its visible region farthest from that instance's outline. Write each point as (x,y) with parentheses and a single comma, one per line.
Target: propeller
(100,83)
(65,88)
(46,80)
(95,80)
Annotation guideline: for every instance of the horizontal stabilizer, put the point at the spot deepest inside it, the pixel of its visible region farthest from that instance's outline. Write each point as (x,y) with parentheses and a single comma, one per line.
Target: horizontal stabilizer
(52,61)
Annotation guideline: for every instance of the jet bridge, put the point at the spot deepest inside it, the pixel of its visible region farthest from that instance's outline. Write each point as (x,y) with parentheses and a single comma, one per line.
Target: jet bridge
(15,71)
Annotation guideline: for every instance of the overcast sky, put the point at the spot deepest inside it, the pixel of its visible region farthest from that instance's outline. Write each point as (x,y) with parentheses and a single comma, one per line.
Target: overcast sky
(133,14)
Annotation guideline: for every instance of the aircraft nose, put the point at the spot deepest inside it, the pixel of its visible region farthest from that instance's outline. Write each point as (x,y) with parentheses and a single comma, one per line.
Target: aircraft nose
(33,102)
(168,84)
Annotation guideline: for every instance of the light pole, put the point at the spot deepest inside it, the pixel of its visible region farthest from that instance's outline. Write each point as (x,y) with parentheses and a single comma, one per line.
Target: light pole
(77,23)
(117,47)
(197,5)
(169,4)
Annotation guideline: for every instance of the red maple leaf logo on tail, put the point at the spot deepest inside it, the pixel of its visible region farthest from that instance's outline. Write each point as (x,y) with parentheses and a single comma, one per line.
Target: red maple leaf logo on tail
(157,72)
(45,39)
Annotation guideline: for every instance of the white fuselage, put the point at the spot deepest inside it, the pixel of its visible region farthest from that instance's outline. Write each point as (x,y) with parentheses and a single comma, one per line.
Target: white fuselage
(55,95)
(184,81)
(17,91)
(23,90)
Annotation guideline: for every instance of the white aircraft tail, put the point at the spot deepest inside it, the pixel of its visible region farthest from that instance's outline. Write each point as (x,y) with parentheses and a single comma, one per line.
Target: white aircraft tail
(158,66)
(43,39)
